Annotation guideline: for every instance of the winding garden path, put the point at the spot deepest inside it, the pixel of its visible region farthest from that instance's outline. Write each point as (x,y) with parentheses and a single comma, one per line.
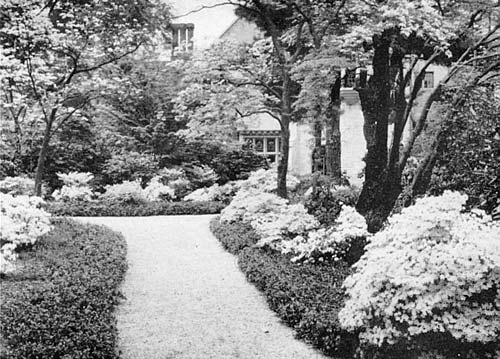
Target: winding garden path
(187,299)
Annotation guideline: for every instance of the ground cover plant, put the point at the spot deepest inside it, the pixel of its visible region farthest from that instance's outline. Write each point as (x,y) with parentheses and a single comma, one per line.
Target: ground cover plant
(59,302)
(119,208)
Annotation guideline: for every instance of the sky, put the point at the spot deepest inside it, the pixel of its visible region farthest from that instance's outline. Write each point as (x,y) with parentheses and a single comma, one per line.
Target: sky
(209,23)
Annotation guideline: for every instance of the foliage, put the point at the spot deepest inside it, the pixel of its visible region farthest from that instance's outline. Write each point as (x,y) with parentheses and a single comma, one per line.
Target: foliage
(201,176)
(17,186)
(468,160)
(23,223)
(235,236)
(343,241)
(76,186)
(433,271)
(54,59)
(307,297)
(129,166)
(119,208)
(325,202)
(236,164)
(61,301)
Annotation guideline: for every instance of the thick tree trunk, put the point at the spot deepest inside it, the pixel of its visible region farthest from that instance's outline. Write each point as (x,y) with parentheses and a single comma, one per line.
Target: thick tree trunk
(333,144)
(380,189)
(42,156)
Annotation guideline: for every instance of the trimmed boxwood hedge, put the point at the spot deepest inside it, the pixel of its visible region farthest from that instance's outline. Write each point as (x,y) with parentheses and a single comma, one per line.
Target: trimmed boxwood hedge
(131,209)
(60,301)
(307,297)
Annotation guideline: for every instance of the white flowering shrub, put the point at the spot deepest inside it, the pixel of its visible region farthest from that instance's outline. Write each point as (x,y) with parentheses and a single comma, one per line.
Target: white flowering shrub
(16,186)
(7,258)
(76,186)
(155,190)
(432,269)
(332,242)
(125,191)
(283,222)
(247,206)
(22,222)
(215,192)
(76,179)
(264,180)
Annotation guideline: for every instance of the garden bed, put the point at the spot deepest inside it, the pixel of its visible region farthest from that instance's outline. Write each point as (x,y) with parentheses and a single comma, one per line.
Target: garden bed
(79,208)
(307,297)
(60,301)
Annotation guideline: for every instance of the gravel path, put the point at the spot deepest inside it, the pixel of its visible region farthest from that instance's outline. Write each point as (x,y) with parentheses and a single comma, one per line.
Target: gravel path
(187,299)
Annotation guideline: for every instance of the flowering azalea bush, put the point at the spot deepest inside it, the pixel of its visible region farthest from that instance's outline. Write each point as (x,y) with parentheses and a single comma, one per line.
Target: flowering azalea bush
(286,221)
(76,186)
(125,191)
(17,186)
(155,190)
(334,242)
(265,181)
(246,206)
(433,269)
(215,193)
(23,221)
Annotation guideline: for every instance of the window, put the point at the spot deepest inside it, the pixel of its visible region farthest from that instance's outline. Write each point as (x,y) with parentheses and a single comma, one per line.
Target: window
(268,146)
(429,80)
(182,38)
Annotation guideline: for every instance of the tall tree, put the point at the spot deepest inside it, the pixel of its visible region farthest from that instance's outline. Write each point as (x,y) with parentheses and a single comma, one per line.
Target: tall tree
(54,53)
(403,39)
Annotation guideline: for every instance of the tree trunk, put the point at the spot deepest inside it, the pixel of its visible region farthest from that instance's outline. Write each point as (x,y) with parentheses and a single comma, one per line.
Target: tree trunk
(286,110)
(333,144)
(42,156)
(380,190)
(317,160)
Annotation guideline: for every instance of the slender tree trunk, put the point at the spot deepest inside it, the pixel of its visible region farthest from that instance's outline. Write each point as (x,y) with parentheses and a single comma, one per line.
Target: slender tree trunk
(333,144)
(286,110)
(42,155)
(317,161)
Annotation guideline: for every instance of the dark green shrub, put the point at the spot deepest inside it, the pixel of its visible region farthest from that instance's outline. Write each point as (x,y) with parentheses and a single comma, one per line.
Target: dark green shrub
(117,208)
(234,238)
(307,297)
(236,164)
(325,204)
(60,303)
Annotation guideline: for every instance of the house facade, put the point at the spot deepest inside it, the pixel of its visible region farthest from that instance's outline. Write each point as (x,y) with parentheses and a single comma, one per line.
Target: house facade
(262,132)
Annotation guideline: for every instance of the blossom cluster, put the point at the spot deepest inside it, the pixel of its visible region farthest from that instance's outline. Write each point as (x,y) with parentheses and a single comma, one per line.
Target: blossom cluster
(433,268)
(23,222)
(156,190)
(76,186)
(333,242)
(214,192)
(17,186)
(264,180)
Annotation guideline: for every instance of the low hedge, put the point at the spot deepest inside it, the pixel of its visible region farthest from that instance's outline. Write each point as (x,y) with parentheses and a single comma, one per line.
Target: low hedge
(60,301)
(307,297)
(234,238)
(131,209)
